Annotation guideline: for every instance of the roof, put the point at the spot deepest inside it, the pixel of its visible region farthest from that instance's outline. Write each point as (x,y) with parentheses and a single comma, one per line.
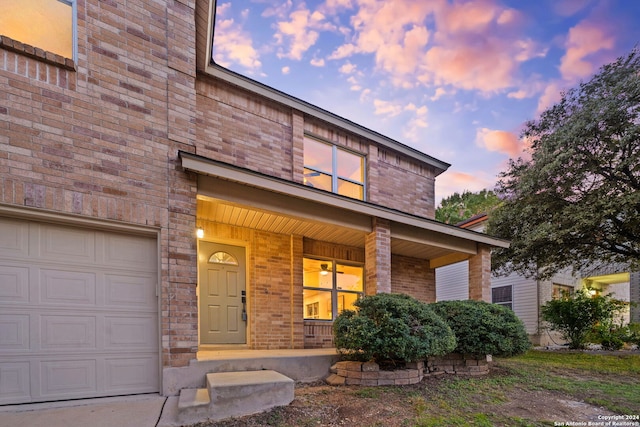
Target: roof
(258,88)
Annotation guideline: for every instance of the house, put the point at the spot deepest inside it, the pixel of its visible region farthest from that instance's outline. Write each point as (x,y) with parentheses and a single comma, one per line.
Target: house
(525,295)
(154,205)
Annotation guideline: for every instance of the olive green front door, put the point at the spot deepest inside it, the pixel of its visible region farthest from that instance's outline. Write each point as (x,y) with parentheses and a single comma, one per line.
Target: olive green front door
(222,288)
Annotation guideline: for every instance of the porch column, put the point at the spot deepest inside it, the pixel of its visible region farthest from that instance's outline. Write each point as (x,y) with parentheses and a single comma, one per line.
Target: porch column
(377,249)
(480,274)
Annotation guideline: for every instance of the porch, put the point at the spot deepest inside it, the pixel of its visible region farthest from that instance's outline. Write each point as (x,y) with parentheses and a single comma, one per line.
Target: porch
(301,365)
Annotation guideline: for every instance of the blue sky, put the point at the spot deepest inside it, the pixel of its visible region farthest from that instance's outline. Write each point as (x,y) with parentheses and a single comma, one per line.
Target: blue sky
(454,79)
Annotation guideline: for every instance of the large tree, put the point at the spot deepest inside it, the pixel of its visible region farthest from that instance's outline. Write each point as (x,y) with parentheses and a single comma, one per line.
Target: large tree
(577,200)
(459,207)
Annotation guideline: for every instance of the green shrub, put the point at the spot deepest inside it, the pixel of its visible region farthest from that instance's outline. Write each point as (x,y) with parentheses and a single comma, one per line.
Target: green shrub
(575,316)
(391,328)
(610,335)
(634,333)
(482,328)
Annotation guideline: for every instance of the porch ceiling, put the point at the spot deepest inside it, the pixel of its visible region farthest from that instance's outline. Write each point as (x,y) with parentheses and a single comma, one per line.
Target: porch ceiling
(239,215)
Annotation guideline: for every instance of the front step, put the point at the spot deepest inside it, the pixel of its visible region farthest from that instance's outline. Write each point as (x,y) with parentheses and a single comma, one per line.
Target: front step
(235,394)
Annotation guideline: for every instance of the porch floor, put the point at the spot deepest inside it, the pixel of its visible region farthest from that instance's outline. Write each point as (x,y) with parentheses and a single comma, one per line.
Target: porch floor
(206,355)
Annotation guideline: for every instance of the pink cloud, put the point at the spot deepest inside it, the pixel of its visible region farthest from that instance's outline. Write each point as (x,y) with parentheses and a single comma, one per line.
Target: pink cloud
(233,44)
(569,7)
(584,40)
(453,181)
(500,141)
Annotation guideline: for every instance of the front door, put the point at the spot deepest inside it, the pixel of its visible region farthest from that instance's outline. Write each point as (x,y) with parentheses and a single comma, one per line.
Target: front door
(221,279)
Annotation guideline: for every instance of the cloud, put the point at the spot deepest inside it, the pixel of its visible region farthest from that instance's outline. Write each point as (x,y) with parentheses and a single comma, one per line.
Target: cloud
(286,70)
(298,33)
(584,40)
(317,62)
(412,130)
(386,108)
(500,141)
(569,7)
(348,68)
(440,92)
(233,44)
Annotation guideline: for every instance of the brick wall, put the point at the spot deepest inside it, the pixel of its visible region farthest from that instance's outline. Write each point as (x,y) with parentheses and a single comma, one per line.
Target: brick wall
(99,138)
(480,274)
(412,276)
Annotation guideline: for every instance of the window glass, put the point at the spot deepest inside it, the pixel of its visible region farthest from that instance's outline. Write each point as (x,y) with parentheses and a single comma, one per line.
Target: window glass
(45,24)
(560,291)
(317,304)
(330,287)
(350,189)
(317,179)
(318,155)
(330,168)
(502,295)
(317,274)
(350,166)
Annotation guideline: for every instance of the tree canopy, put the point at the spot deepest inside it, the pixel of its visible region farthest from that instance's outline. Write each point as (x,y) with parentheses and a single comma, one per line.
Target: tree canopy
(459,207)
(577,200)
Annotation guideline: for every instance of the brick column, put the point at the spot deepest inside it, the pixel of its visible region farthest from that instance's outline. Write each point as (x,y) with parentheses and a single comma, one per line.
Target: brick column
(377,249)
(480,274)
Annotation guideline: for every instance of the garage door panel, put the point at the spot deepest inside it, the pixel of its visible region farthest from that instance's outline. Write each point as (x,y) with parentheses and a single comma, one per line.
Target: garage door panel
(122,374)
(14,382)
(65,243)
(14,332)
(14,284)
(14,238)
(129,290)
(67,377)
(68,332)
(130,333)
(78,314)
(128,251)
(67,287)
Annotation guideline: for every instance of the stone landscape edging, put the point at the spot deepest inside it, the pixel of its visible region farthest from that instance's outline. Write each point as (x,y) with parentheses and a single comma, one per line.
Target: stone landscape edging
(370,374)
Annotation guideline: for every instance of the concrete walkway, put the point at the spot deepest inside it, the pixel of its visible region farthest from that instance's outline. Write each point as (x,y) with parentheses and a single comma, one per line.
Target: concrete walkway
(128,411)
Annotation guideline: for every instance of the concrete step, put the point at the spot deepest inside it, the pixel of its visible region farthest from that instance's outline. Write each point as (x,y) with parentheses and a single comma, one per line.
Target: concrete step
(235,394)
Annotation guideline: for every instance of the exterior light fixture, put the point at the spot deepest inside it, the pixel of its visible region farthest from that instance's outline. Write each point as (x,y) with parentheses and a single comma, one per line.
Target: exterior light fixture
(200,233)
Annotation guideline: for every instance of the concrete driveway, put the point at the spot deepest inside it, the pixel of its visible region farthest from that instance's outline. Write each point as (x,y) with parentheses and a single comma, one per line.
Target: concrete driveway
(128,411)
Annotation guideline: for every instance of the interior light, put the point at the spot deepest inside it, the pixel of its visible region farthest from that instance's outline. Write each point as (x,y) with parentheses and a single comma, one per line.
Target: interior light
(323,269)
(200,233)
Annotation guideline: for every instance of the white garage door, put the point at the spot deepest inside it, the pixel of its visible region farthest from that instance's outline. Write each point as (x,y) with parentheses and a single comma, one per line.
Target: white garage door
(78,313)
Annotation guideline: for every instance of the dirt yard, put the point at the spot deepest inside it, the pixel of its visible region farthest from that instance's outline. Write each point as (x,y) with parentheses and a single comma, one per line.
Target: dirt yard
(510,395)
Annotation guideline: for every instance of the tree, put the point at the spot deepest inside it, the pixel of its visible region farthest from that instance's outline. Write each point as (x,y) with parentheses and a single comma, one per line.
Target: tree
(459,207)
(575,316)
(577,200)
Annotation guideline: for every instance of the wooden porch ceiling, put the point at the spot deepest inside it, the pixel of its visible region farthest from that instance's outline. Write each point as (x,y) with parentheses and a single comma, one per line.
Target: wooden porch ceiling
(229,213)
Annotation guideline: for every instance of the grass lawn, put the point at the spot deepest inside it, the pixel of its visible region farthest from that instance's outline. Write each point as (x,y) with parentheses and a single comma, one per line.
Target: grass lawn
(537,389)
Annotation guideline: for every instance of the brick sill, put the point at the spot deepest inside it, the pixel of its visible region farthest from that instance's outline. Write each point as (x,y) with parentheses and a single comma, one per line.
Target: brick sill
(37,53)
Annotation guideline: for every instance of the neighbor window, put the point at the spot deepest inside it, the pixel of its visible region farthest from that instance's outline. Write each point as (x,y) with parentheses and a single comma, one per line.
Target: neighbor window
(560,291)
(330,287)
(502,295)
(44,24)
(334,169)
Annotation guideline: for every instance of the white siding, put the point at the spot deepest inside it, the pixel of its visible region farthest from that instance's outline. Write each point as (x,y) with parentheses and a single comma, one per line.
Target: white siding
(452,282)
(525,298)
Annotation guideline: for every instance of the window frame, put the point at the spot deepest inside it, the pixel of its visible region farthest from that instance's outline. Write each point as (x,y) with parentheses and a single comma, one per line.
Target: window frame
(506,303)
(335,177)
(334,290)
(74,39)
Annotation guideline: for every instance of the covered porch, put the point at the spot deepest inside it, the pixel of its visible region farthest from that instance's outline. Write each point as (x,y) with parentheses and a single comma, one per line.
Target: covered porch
(277,224)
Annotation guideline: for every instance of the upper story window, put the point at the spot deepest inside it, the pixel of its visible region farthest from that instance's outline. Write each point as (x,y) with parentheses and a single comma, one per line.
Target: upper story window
(334,169)
(44,24)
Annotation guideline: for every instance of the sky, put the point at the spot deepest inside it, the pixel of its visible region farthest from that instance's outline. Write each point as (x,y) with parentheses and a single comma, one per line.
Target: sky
(456,80)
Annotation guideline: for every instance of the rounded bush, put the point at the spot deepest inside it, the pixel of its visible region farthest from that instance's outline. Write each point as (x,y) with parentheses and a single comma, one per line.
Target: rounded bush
(391,328)
(483,328)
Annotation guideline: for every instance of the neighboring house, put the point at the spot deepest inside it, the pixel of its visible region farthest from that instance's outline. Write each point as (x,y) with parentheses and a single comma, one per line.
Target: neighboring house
(526,295)
(154,204)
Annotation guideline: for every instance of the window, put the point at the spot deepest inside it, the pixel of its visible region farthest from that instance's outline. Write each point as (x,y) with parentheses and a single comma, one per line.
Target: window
(330,287)
(502,295)
(45,24)
(560,291)
(334,169)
